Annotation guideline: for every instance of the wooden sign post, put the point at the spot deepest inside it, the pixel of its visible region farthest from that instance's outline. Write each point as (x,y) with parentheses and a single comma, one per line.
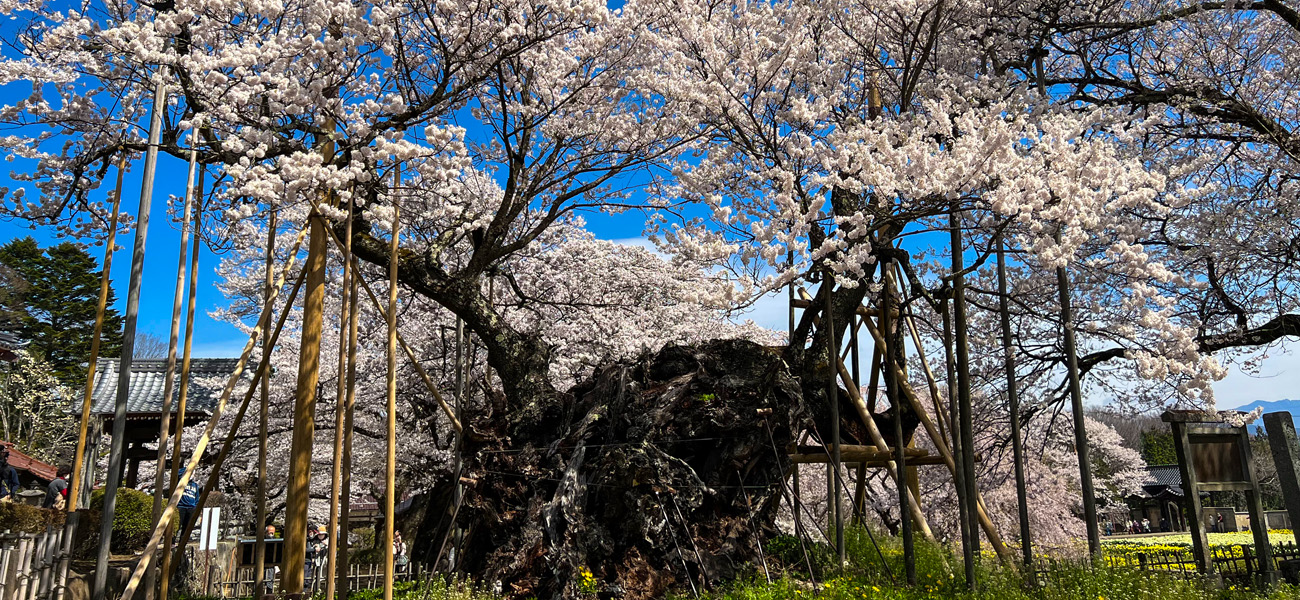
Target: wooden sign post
(1214,456)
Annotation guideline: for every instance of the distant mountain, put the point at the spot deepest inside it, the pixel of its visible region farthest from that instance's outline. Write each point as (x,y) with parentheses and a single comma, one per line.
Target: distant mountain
(1291,406)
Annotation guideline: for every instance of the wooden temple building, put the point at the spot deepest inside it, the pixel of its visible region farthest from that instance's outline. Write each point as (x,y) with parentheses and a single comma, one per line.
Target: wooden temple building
(144,403)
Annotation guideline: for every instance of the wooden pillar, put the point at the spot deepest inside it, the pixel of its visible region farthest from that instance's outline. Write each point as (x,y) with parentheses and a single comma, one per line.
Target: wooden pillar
(1200,544)
(340,415)
(832,396)
(390,465)
(1266,574)
(892,356)
(304,413)
(965,417)
(1285,446)
(259,550)
(1076,406)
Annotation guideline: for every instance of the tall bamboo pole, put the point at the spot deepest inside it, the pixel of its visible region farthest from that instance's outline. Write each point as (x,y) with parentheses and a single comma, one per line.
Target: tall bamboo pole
(186,355)
(390,471)
(304,410)
(173,340)
(118,446)
(340,414)
(1013,401)
(87,399)
(965,418)
(146,558)
(73,518)
(345,481)
(259,551)
(1076,406)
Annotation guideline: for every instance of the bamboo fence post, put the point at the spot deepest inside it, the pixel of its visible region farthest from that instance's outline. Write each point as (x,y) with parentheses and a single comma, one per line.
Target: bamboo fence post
(118,445)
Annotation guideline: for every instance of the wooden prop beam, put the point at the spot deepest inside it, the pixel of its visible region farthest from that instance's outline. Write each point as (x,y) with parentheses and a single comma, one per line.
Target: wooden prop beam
(879,440)
(940,443)
(390,465)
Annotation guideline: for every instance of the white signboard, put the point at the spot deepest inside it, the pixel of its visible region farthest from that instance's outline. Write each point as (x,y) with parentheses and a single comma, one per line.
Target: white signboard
(210,529)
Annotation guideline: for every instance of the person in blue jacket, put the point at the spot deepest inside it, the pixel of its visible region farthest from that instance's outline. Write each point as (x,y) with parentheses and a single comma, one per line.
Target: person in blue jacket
(189,501)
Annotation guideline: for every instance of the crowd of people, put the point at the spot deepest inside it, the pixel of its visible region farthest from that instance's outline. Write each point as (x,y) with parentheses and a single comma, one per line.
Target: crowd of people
(1134,527)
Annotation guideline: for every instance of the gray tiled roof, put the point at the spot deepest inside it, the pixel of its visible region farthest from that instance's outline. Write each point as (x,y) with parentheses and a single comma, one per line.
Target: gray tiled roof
(1166,476)
(10,340)
(145,394)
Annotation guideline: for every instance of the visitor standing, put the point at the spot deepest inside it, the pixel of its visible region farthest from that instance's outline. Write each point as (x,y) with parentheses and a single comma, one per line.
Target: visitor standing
(8,477)
(401,561)
(56,494)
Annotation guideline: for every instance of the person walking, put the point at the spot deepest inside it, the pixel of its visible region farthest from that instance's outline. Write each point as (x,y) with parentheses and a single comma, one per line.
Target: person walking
(56,494)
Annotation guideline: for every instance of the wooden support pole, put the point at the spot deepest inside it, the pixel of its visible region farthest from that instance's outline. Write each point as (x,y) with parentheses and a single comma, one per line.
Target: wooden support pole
(981,517)
(959,471)
(832,396)
(962,351)
(264,415)
(390,470)
(128,338)
(184,387)
(879,441)
(346,481)
(893,356)
(340,413)
(178,490)
(304,401)
(1013,407)
(304,414)
(1076,406)
(79,463)
(173,340)
(87,398)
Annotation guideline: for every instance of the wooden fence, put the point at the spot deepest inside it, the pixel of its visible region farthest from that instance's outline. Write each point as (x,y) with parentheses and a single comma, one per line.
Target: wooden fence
(239,584)
(1236,562)
(32,566)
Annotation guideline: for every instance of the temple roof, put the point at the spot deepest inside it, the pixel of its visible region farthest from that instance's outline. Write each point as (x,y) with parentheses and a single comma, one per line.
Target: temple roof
(148,378)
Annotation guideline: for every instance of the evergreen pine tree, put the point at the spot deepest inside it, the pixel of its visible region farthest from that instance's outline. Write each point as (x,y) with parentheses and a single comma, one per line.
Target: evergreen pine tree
(53,305)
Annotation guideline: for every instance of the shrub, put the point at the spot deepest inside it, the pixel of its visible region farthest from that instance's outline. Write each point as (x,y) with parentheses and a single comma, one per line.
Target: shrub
(24,518)
(132,520)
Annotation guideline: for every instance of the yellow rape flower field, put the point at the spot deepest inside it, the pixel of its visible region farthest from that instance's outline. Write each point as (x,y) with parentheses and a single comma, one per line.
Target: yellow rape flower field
(1182,542)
